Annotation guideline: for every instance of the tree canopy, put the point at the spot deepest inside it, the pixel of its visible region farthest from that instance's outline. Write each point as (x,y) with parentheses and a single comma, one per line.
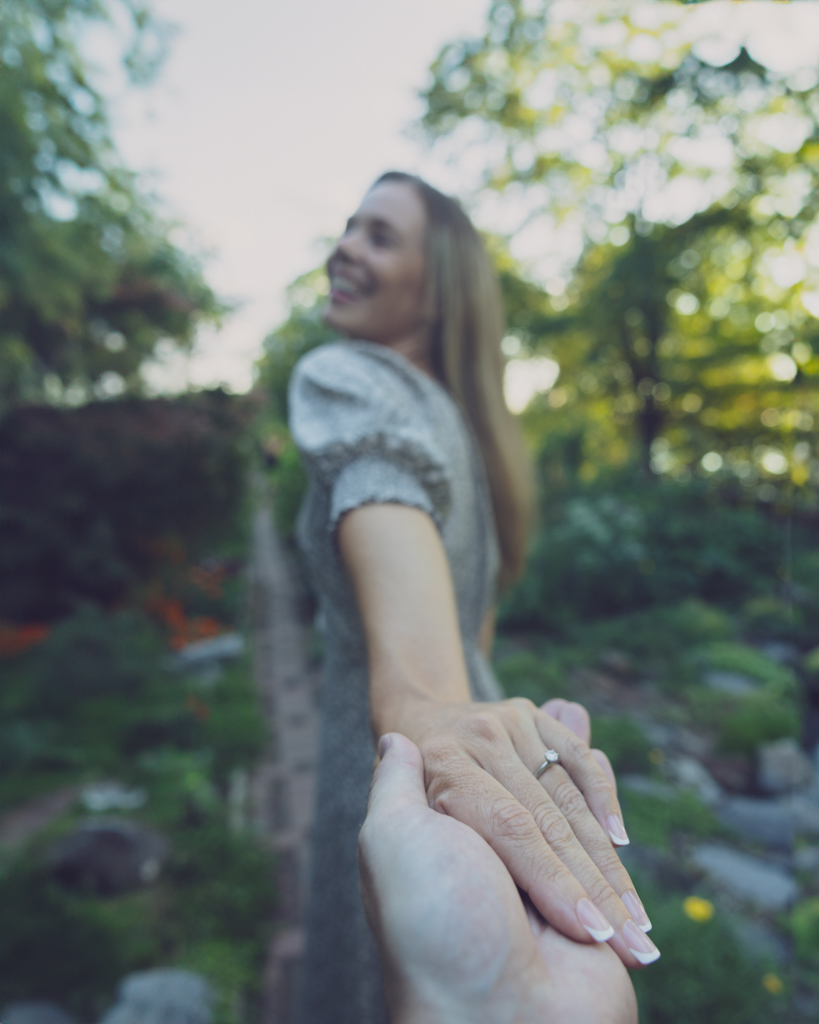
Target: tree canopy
(660,192)
(89,278)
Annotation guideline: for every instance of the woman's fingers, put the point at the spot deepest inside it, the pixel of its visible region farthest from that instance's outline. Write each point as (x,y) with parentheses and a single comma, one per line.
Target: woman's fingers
(537,843)
(461,789)
(561,814)
(590,778)
(571,714)
(605,764)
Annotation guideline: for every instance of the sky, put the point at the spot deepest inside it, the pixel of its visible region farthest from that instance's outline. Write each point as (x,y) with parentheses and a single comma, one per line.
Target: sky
(270,118)
(267,123)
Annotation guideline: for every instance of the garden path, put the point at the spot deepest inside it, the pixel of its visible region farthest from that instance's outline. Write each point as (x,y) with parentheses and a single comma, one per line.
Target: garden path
(282,788)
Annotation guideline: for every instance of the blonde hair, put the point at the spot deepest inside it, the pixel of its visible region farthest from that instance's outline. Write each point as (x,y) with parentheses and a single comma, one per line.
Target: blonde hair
(466,313)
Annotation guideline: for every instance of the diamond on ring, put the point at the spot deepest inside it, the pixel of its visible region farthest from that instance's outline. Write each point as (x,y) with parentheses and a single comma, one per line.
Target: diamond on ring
(550,757)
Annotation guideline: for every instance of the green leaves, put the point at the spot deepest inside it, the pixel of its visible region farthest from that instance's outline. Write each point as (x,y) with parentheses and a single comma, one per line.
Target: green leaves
(665,253)
(89,281)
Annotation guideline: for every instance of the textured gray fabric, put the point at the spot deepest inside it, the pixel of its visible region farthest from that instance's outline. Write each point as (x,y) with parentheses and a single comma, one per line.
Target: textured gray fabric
(372,428)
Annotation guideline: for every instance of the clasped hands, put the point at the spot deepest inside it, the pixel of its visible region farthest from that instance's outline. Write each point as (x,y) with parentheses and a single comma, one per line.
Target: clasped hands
(443,890)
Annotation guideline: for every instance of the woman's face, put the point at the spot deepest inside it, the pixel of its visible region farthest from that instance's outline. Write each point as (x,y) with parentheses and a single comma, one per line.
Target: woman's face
(378,268)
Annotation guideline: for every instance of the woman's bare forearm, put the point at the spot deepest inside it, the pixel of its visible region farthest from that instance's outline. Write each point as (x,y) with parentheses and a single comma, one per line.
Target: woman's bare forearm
(407,605)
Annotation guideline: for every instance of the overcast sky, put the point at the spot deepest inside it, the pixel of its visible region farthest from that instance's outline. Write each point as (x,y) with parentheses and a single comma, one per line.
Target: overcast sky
(271,117)
(268,121)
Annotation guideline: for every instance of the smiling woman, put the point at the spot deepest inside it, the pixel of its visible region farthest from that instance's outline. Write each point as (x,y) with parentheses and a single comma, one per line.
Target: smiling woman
(418,506)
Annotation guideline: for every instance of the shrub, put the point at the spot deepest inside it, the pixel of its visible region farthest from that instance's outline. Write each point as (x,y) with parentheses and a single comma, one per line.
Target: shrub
(524,674)
(733,657)
(805,930)
(704,974)
(653,821)
(90,494)
(623,741)
(759,718)
(632,545)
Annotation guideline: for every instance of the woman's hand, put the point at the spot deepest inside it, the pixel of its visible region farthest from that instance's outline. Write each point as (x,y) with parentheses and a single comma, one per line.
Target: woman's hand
(453,932)
(553,834)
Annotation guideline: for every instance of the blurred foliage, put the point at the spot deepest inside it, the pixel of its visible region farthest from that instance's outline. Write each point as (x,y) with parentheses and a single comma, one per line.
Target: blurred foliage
(805,929)
(617,545)
(95,693)
(623,741)
(733,657)
(705,973)
(90,279)
(539,678)
(681,296)
(660,822)
(125,714)
(95,498)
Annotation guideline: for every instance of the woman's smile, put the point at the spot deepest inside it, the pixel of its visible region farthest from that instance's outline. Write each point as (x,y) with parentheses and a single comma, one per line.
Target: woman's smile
(377,273)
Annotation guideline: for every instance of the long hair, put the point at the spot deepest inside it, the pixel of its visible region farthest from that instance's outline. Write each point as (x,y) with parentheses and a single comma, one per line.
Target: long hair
(466,313)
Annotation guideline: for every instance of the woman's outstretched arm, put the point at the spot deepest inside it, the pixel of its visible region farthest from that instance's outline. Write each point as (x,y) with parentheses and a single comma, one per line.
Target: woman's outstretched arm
(554,834)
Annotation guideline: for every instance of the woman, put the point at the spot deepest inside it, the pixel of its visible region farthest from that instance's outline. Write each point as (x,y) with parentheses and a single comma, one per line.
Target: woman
(419,501)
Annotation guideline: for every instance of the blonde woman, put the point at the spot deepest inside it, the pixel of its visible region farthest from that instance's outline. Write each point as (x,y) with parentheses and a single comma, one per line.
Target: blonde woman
(418,509)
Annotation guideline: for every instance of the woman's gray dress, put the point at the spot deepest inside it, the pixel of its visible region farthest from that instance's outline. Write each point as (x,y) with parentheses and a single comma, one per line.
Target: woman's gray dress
(371,427)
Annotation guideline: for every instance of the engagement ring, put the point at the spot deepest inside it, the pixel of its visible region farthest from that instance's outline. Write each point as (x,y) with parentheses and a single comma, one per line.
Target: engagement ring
(551,757)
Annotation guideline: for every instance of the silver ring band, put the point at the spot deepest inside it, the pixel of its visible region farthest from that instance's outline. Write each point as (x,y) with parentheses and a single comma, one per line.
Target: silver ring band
(550,757)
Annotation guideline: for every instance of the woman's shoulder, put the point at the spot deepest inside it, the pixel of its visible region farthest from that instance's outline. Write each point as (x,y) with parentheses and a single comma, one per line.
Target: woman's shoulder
(357,369)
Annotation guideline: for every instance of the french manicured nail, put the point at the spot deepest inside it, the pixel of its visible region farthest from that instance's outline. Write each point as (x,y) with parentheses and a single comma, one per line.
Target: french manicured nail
(593,921)
(640,944)
(637,910)
(617,830)
(384,744)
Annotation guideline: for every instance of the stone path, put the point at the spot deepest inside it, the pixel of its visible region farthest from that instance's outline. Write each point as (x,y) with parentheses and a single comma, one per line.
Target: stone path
(282,788)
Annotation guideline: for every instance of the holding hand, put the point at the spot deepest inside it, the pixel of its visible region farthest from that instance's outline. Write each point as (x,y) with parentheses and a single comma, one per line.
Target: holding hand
(456,941)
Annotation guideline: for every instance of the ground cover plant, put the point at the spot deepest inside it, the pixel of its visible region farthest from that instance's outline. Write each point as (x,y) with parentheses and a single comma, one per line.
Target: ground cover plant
(94,693)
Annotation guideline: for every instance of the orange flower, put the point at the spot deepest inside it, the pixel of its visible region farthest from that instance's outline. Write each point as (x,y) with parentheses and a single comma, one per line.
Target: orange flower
(16,640)
(199,709)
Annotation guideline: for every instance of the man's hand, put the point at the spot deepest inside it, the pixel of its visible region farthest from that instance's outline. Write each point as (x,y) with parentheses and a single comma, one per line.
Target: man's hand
(456,940)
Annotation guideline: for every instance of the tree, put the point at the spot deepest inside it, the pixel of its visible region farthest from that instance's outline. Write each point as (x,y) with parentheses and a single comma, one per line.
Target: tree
(89,280)
(666,251)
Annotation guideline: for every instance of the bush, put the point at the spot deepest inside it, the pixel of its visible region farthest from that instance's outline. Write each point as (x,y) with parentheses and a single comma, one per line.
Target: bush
(654,821)
(805,930)
(623,741)
(704,974)
(732,657)
(524,674)
(759,718)
(91,495)
(637,545)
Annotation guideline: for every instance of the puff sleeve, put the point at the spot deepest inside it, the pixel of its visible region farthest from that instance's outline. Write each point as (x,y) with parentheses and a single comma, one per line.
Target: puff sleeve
(358,421)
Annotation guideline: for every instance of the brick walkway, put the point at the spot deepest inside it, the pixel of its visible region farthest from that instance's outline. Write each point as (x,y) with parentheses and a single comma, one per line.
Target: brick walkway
(283,786)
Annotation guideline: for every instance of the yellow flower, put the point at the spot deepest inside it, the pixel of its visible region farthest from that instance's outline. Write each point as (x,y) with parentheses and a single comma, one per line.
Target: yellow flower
(773,983)
(698,909)
(656,756)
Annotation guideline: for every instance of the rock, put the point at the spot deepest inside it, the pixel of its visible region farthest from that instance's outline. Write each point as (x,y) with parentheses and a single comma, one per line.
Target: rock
(804,811)
(108,856)
(35,1011)
(748,878)
(690,774)
(617,662)
(763,821)
(735,772)
(166,995)
(730,682)
(783,766)
(781,653)
(112,796)
(648,787)
(202,652)
(761,941)
(693,744)
(806,858)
